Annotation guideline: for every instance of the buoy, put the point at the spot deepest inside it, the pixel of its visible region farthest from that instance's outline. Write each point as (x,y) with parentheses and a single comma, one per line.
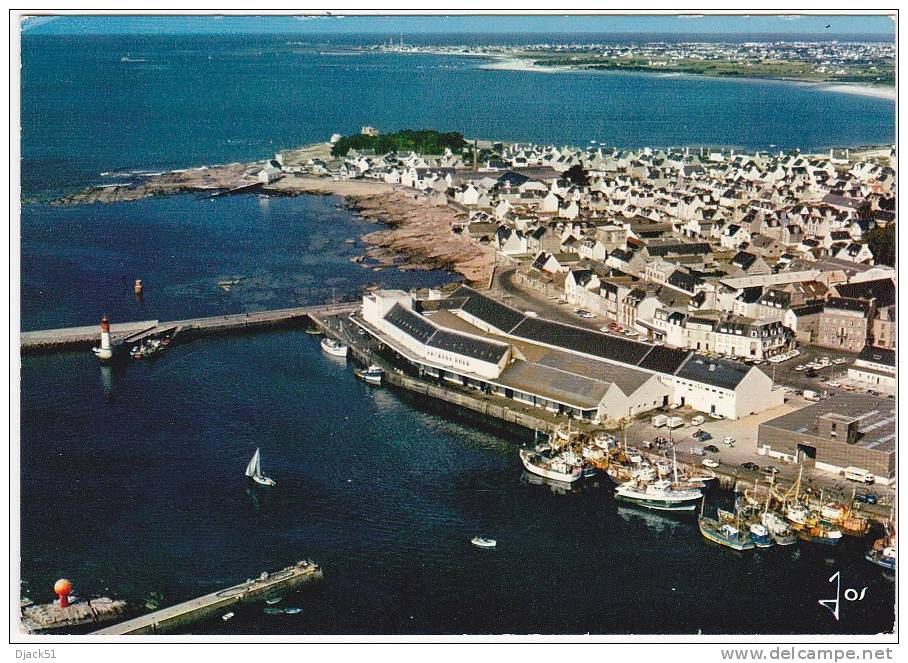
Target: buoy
(63,588)
(138,286)
(105,352)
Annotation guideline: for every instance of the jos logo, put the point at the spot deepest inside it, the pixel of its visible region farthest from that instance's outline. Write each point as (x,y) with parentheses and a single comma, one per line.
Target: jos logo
(851,594)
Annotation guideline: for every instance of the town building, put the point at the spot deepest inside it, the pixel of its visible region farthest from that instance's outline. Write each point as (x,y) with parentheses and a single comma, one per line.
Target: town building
(847,430)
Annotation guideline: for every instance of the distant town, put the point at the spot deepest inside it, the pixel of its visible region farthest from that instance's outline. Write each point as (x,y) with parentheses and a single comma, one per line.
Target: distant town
(817,61)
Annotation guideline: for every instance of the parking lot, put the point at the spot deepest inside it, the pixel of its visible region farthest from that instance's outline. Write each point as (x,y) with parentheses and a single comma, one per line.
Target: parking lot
(744,432)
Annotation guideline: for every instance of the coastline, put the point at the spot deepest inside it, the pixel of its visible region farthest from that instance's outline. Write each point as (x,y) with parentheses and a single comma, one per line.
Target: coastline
(419,233)
(513,63)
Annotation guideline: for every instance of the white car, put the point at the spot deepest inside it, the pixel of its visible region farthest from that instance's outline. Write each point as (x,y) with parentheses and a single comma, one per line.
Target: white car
(709,462)
(800,368)
(839,360)
(833,383)
(729,441)
(630,333)
(585,314)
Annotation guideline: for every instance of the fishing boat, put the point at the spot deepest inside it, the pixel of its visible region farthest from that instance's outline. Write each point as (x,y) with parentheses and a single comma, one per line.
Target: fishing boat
(334,348)
(725,534)
(819,534)
(227,616)
(372,375)
(550,467)
(883,552)
(482,542)
(760,535)
(273,599)
(254,470)
(659,495)
(781,533)
(314,331)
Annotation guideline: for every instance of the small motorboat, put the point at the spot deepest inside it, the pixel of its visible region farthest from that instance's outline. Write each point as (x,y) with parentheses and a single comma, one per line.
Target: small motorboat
(273,611)
(292,611)
(372,375)
(227,616)
(314,331)
(334,348)
(481,542)
(272,600)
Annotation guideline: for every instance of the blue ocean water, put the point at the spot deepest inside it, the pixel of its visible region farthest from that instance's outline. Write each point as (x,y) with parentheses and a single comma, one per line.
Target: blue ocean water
(132,482)
(196,100)
(131,475)
(80,262)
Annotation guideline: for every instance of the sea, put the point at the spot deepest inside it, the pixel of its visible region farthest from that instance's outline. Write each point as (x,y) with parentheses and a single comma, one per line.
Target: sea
(132,475)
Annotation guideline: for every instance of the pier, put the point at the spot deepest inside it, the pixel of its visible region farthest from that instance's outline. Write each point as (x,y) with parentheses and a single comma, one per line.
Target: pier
(180,616)
(50,340)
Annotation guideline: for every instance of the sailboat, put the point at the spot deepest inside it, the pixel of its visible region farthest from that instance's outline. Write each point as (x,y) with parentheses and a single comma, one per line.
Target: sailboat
(254,470)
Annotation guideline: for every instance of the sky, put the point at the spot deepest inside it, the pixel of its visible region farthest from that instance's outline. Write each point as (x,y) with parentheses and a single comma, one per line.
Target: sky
(692,24)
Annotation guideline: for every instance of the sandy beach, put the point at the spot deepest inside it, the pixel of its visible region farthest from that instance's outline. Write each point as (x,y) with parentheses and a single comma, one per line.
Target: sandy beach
(879,92)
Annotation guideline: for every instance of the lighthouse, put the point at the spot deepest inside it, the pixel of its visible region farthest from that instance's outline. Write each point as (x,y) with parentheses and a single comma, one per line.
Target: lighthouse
(105,352)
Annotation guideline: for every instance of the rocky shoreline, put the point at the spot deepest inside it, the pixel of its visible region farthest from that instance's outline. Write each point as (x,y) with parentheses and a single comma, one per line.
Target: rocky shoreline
(419,234)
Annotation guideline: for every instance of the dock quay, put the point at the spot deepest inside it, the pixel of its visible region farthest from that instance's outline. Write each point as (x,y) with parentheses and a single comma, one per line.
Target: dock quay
(54,340)
(183,614)
(337,326)
(51,618)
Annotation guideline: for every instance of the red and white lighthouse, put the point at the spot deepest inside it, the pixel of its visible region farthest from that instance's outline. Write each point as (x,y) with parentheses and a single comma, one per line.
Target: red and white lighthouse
(105,351)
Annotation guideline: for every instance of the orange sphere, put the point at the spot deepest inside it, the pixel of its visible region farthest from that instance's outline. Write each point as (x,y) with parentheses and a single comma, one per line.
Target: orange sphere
(63,587)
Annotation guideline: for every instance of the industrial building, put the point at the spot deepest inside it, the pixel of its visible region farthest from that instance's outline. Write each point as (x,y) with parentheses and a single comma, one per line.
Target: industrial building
(475,341)
(847,430)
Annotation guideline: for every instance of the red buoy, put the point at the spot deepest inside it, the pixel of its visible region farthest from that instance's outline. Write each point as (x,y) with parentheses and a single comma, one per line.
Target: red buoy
(63,588)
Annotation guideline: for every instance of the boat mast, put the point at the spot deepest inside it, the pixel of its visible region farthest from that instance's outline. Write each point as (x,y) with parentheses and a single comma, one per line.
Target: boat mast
(772,482)
(798,484)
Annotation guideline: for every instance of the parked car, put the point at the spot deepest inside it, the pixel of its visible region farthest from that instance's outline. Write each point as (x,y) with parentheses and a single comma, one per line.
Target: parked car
(696,421)
(729,441)
(811,373)
(706,436)
(711,448)
(753,467)
(769,469)
(833,383)
(697,451)
(867,498)
(630,333)
(709,462)
(714,415)
(584,313)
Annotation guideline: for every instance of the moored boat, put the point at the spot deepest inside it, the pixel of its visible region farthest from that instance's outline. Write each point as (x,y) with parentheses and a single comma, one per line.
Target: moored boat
(482,542)
(659,495)
(725,534)
(781,533)
(372,375)
(550,467)
(760,535)
(334,348)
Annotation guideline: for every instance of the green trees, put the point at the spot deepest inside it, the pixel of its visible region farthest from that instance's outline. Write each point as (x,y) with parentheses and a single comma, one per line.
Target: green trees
(425,141)
(881,241)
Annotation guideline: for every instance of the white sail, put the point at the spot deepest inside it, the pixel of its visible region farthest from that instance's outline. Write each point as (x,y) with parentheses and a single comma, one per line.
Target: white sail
(254,468)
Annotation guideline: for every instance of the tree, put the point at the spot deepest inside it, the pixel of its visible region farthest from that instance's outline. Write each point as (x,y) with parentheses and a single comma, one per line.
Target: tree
(881,241)
(576,175)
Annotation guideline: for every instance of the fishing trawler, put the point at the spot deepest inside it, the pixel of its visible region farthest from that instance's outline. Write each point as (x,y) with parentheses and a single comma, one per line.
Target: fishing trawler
(334,348)
(883,552)
(760,535)
(725,534)
(659,495)
(781,533)
(550,467)
(254,470)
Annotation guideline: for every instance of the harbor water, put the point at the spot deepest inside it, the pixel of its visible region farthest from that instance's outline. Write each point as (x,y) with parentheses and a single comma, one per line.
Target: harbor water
(132,475)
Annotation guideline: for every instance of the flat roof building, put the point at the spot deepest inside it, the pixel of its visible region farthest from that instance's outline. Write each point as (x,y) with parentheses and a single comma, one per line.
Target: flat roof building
(847,430)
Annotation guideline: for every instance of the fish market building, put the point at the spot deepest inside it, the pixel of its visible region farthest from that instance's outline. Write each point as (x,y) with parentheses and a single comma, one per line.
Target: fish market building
(475,341)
